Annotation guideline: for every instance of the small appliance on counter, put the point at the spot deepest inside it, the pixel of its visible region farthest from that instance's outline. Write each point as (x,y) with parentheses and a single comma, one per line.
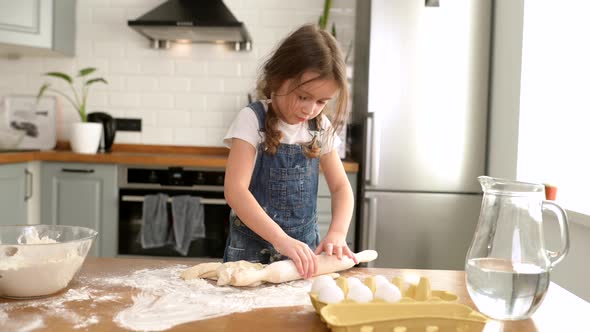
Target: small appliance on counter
(109,125)
(27,124)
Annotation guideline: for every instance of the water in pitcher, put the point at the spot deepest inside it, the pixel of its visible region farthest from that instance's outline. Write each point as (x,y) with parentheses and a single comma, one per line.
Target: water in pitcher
(504,289)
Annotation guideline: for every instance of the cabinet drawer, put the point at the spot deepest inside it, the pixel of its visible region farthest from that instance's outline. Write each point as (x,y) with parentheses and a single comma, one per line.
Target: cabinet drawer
(323,189)
(324,218)
(324,205)
(349,238)
(323,230)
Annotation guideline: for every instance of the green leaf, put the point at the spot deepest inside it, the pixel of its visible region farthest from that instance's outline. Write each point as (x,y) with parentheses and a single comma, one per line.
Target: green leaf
(42,90)
(326,15)
(327,7)
(86,71)
(60,75)
(334,29)
(96,80)
(82,112)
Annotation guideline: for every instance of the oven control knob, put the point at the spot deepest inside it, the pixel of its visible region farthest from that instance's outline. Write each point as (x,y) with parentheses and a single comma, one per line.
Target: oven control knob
(200,178)
(153,177)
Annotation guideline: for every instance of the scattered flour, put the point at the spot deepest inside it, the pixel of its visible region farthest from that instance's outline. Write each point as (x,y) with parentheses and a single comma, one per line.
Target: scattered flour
(165,300)
(87,322)
(31,324)
(54,306)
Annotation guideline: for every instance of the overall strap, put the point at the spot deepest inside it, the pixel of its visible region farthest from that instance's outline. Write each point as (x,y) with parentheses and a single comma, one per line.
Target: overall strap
(260,112)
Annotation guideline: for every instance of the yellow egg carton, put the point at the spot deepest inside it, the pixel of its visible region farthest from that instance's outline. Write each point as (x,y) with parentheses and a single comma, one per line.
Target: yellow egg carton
(420,309)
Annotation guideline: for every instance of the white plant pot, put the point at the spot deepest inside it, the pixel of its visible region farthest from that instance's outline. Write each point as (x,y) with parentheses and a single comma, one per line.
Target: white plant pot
(85,137)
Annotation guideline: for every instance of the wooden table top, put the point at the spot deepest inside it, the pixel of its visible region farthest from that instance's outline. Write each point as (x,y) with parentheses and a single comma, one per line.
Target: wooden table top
(560,311)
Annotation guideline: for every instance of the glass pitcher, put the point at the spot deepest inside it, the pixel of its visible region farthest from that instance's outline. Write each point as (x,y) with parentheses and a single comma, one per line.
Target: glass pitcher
(507,266)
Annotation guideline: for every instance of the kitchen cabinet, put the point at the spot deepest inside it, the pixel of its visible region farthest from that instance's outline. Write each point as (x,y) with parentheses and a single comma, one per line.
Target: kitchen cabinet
(15,193)
(37,27)
(82,194)
(324,208)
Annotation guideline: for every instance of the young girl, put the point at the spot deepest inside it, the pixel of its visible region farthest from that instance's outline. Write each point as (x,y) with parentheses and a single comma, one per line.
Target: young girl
(276,147)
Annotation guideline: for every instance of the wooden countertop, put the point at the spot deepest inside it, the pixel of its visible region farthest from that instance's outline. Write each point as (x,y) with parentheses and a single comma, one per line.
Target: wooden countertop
(560,311)
(135,154)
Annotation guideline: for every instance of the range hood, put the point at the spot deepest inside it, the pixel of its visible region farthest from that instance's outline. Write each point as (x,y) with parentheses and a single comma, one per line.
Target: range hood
(192,21)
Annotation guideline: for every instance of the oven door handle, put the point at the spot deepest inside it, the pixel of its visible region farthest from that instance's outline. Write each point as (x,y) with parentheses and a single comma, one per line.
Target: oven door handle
(204,201)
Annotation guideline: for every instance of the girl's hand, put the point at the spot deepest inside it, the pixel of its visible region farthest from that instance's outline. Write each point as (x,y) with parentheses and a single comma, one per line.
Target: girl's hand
(335,244)
(299,252)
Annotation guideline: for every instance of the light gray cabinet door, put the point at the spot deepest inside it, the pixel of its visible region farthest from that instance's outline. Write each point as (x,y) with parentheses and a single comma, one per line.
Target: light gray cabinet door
(82,195)
(324,208)
(15,191)
(37,27)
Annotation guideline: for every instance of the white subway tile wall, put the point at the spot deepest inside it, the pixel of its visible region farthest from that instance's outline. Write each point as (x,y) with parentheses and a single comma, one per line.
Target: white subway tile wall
(187,95)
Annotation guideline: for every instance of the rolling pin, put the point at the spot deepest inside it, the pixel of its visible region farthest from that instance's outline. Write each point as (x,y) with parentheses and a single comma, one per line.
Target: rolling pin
(283,271)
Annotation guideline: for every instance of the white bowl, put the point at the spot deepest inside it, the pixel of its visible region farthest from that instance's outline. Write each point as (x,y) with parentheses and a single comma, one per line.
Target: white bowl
(40,260)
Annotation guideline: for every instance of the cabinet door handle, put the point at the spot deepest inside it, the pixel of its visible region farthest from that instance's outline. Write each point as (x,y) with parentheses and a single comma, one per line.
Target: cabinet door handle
(373,150)
(77,170)
(28,184)
(369,148)
(369,226)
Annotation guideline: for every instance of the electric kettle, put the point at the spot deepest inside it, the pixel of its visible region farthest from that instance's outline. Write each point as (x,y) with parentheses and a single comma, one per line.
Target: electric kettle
(109,125)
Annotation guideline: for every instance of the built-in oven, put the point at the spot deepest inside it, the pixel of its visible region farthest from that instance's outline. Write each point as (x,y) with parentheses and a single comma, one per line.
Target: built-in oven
(136,182)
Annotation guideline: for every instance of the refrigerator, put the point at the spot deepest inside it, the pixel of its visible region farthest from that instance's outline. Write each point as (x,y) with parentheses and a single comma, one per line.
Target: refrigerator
(420,125)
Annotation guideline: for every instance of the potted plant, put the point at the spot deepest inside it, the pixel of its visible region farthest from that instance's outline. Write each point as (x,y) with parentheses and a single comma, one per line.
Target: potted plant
(85,136)
(323,20)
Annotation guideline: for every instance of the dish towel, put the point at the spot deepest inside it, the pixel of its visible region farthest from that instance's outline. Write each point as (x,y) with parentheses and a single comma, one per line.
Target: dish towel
(188,220)
(154,228)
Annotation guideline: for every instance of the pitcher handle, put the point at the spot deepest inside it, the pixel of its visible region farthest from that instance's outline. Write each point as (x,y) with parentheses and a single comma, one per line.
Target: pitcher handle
(556,256)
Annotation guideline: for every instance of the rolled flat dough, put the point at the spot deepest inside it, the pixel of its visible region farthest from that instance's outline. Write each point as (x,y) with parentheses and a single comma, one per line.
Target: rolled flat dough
(222,272)
(228,269)
(204,270)
(244,273)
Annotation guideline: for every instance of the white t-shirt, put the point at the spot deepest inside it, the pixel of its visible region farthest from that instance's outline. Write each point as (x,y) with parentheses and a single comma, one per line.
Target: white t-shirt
(245,127)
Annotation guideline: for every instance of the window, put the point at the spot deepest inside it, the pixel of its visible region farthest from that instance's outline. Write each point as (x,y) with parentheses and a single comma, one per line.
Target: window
(554,126)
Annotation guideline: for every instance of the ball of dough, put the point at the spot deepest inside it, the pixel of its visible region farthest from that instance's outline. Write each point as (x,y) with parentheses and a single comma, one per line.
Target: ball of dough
(331,293)
(388,292)
(379,280)
(360,293)
(352,281)
(320,281)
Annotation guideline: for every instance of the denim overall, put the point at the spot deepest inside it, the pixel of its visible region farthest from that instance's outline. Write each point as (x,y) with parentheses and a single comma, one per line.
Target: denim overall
(286,186)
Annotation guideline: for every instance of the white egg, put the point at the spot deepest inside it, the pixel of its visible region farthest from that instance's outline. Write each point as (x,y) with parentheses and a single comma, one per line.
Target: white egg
(352,281)
(331,293)
(388,292)
(379,279)
(360,293)
(320,281)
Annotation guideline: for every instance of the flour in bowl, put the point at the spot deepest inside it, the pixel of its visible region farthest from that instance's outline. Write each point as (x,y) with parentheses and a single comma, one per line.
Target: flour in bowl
(37,265)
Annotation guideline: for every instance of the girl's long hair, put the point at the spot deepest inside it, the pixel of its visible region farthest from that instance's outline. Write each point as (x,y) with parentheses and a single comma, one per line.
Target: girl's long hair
(306,49)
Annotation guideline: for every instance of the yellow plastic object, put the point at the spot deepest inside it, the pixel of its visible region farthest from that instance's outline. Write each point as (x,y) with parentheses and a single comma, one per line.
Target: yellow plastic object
(420,309)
